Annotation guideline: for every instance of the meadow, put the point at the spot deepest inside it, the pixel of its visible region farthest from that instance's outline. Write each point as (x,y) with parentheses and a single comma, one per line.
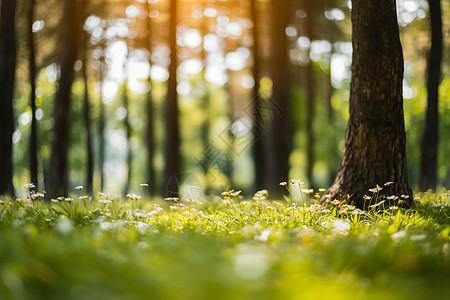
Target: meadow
(229,247)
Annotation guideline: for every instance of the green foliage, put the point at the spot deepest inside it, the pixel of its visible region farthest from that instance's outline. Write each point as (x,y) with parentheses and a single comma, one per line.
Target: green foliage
(104,248)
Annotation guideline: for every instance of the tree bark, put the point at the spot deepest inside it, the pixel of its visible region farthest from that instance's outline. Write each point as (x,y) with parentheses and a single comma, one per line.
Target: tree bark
(429,147)
(129,132)
(58,177)
(375,138)
(172,140)
(7,79)
(33,148)
(151,145)
(310,99)
(87,118)
(280,133)
(259,151)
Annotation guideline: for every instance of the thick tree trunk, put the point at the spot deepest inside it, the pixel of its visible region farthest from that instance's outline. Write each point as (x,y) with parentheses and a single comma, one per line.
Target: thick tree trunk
(58,177)
(33,148)
(259,151)
(280,133)
(7,78)
(375,138)
(172,139)
(428,162)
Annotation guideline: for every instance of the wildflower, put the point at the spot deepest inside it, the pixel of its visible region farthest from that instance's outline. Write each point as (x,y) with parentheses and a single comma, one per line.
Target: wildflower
(392,198)
(404,196)
(366,197)
(54,200)
(9,204)
(83,197)
(29,186)
(105,201)
(308,191)
(79,188)
(132,196)
(376,189)
(335,202)
(388,183)
(343,210)
(295,182)
(101,194)
(377,204)
(317,196)
(143,185)
(2,203)
(322,190)
(284,183)
(62,198)
(36,196)
(172,199)
(357,212)
(68,199)
(393,207)
(314,207)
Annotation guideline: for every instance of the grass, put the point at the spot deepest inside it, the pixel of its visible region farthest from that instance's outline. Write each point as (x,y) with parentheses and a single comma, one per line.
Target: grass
(106,248)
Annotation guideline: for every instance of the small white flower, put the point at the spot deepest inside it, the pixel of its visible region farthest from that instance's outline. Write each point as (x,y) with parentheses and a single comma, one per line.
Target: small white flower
(144,185)
(29,186)
(79,188)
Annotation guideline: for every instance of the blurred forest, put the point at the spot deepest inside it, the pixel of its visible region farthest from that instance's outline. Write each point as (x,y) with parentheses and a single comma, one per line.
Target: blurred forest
(260,93)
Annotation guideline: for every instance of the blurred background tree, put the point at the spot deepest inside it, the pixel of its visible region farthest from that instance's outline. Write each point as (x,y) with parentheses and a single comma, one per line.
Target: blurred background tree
(261,89)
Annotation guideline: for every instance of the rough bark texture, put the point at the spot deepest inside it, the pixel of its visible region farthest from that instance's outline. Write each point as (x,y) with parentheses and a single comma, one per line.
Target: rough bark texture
(7,77)
(428,161)
(375,138)
(58,173)
(280,133)
(259,151)
(33,148)
(172,139)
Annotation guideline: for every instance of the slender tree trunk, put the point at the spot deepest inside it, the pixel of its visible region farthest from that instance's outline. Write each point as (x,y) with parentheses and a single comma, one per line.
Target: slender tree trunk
(151,145)
(87,119)
(172,140)
(310,99)
(7,78)
(428,161)
(58,177)
(32,77)
(280,133)
(101,126)
(375,138)
(259,151)
(129,132)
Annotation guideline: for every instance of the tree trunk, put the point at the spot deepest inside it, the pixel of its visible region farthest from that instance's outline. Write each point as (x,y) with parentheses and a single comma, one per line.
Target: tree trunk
(259,153)
(280,133)
(33,148)
(128,130)
(101,124)
(310,98)
(151,145)
(7,78)
(375,139)
(87,119)
(172,140)
(58,177)
(428,161)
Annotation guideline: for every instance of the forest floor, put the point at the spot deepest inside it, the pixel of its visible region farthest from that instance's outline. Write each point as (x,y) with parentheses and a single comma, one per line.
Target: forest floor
(229,248)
